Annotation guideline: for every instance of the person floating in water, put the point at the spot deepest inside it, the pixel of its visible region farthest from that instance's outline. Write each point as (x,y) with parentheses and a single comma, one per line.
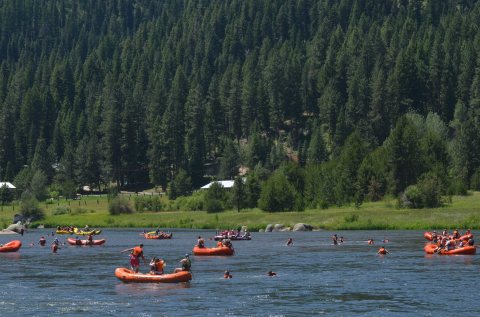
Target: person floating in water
(289,242)
(55,245)
(340,240)
(382,251)
(271,273)
(335,239)
(370,241)
(227,275)
(42,241)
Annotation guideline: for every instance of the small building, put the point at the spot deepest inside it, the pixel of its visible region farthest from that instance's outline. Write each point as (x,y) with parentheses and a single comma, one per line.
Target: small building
(7,184)
(225,184)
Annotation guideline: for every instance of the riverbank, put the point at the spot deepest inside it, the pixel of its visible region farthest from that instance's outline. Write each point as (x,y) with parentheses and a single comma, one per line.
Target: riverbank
(462,212)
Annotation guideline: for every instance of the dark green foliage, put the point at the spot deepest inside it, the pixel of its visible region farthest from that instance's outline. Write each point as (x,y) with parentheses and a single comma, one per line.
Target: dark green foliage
(29,207)
(214,200)
(180,186)
(6,194)
(239,197)
(277,194)
(149,203)
(119,205)
(426,194)
(100,92)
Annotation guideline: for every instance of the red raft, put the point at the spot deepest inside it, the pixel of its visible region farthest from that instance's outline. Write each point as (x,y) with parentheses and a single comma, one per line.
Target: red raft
(11,246)
(213,251)
(127,275)
(466,250)
(85,242)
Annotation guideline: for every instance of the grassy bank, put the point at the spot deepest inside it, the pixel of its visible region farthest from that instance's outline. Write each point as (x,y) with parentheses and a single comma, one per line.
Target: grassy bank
(462,212)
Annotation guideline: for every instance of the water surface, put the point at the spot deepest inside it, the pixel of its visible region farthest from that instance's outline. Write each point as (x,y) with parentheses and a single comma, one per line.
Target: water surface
(314,277)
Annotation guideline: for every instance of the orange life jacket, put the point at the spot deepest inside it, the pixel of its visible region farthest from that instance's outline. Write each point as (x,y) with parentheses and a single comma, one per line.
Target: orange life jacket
(137,251)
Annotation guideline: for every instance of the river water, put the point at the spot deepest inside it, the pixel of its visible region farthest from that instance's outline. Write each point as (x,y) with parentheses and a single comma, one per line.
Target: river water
(314,277)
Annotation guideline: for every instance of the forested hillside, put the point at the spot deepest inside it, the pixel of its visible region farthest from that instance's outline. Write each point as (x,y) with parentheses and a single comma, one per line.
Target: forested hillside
(366,98)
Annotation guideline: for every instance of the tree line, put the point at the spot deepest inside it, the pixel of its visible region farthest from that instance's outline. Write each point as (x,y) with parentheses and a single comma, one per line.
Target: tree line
(366,98)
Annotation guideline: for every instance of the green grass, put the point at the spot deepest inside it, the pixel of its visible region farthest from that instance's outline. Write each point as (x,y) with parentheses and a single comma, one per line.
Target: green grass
(462,212)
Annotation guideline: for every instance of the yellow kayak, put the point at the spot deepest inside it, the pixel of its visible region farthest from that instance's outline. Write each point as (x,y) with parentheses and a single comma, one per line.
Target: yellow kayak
(64,232)
(86,233)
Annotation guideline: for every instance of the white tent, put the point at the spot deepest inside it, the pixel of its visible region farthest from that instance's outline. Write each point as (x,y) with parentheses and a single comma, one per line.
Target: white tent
(225,184)
(7,184)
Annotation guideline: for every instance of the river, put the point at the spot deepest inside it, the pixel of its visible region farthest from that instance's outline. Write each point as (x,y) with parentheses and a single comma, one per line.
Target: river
(314,277)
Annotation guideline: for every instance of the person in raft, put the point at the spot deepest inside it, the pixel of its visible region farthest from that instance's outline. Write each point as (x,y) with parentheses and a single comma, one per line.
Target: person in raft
(335,239)
(42,241)
(135,255)
(289,242)
(227,275)
(156,266)
(78,241)
(186,264)
(200,242)
(271,273)
(90,239)
(382,250)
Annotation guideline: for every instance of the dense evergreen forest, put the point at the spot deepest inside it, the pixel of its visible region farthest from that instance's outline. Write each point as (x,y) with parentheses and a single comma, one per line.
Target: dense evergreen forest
(324,101)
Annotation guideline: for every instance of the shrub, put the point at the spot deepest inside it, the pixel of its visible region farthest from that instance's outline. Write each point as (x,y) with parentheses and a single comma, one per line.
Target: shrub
(411,197)
(215,198)
(119,205)
(148,203)
(29,208)
(277,194)
(61,210)
(214,205)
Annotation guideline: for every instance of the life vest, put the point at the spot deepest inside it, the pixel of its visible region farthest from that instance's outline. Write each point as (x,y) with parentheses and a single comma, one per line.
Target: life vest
(137,251)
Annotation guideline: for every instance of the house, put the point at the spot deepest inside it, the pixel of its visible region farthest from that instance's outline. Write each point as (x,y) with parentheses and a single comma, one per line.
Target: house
(7,184)
(225,184)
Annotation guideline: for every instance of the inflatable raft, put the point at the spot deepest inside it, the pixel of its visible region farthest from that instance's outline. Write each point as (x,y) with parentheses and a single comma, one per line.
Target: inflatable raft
(466,250)
(160,236)
(129,276)
(213,251)
(72,241)
(11,246)
(86,233)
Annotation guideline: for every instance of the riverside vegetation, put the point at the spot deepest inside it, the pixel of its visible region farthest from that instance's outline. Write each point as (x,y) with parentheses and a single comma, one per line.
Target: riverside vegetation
(462,212)
(308,104)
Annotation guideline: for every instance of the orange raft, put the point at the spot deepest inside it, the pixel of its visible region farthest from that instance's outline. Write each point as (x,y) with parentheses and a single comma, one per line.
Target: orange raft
(11,246)
(129,276)
(213,251)
(428,235)
(466,250)
(85,242)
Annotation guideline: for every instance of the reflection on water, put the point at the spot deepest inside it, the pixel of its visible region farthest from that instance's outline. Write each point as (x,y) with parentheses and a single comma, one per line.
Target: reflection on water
(314,277)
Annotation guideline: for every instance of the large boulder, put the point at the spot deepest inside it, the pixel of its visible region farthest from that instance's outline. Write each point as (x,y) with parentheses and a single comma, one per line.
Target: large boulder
(269,228)
(302,227)
(278,227)
(17,227)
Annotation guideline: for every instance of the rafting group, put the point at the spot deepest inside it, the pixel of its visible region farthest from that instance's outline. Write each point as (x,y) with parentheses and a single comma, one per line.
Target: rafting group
(74,230)
(450,244)
(157,234)
(233,235)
